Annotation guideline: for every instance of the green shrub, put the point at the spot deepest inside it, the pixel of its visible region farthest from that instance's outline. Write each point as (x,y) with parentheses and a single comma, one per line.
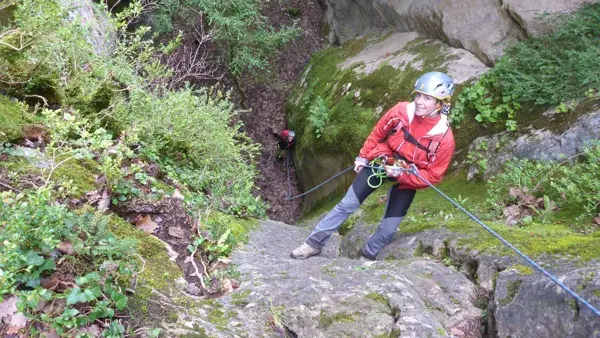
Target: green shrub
(33,227)
(195,129)
(542,72)
(571,181)
(318,116)
(246,38)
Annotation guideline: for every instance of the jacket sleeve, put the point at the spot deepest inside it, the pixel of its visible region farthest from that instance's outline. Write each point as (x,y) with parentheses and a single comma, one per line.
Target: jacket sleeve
(435,172)
(378,133)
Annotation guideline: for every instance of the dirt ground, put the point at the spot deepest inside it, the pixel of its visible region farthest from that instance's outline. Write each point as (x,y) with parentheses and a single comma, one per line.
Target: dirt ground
(267,98)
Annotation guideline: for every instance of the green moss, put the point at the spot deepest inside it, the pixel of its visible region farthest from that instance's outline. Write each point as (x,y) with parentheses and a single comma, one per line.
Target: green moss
(81,172)
(159,272)
(240,228)
(13,117)
(240,298)
(419,250)
(441,331)
(522,269)
(217,317)
(511,291)
(326,320)
(329,271)
(378,298)
(596,293)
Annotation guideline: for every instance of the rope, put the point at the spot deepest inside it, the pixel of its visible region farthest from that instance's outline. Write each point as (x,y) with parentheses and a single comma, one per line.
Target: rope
(512,247)
(318,186)
(378,172)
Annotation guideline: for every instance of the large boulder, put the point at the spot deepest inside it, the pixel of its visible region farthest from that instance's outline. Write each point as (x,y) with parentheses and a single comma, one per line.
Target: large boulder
(483,27)
(530,305)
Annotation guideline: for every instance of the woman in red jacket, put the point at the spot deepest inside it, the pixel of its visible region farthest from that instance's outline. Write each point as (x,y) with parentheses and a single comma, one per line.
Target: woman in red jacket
(417,133)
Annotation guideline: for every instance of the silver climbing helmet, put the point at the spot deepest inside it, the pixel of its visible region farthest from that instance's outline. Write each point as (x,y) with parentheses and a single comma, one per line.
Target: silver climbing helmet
(291,133)
(436,84)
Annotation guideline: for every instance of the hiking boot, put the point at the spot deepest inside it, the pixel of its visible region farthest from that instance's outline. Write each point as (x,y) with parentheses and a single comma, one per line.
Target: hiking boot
(366,257)
(304,251)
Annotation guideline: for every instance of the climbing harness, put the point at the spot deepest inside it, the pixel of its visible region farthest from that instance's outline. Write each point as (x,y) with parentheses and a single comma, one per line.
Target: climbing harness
(378,167)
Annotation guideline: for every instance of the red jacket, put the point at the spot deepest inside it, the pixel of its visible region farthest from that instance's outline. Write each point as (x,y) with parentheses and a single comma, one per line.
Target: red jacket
(435,134)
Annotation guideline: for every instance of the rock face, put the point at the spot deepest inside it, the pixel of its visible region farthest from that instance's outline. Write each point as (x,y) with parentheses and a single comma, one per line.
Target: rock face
(331,296)
(524,302)
(87,13)
(542,144)
(483,27)
(533,306)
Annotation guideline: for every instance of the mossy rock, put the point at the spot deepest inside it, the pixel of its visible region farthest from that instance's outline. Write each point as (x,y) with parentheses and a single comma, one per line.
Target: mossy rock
(13,118)
(158,274)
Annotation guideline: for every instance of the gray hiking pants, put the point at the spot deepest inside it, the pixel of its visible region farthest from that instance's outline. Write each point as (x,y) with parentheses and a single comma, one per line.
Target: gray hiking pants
(398,202)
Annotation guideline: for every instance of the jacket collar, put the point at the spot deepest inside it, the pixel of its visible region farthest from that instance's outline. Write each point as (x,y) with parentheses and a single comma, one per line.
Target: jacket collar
(439,129)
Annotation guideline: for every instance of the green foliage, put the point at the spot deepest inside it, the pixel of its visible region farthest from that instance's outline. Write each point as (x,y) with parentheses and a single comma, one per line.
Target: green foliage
(246,38)
(544,71)
(319,116)
(574,182)
(33,227)
(13,117)
(190,131)
(478,157)
(486,97)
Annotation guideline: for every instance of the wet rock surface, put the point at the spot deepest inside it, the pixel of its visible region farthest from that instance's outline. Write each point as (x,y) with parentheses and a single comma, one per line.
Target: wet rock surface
(329,295)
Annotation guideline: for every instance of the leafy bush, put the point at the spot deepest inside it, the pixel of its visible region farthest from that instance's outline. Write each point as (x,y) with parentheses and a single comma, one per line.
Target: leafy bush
(33,228)
(194,128)
(544,71)
(246,38)
(572,182)
(318,116)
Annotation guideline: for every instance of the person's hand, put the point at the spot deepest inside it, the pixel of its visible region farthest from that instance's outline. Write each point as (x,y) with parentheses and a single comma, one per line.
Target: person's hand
(393,171)
(359,163)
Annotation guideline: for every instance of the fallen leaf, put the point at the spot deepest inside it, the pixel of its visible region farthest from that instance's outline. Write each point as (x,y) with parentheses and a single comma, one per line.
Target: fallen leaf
(512,210)
(226,285)
(222,263)
(8,307)
(104,202)
(16,322)
(92,330)
(176,232)
(101,180)
(146,224)
(178,195)
(66,248)
(515,193)
(597,219)
(50,334)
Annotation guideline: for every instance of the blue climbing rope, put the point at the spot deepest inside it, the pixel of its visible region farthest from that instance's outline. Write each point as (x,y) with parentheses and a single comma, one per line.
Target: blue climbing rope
(512,247)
